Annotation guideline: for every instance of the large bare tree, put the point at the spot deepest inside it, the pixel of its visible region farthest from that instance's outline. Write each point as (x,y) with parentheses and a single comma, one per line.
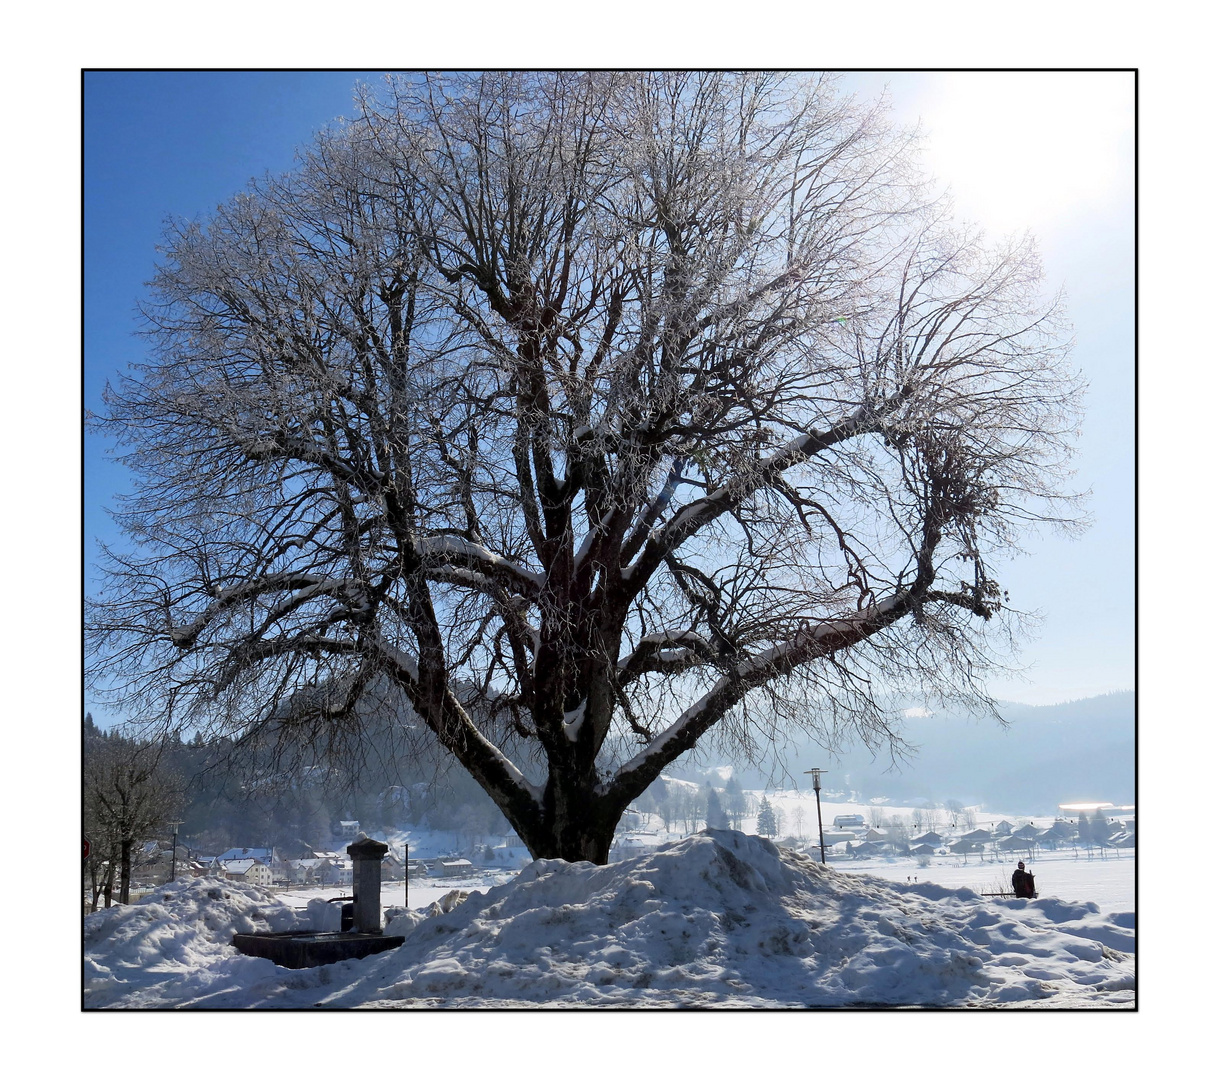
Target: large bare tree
(589,414)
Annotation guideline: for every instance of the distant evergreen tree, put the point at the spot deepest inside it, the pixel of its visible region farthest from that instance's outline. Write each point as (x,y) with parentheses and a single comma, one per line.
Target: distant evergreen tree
(1098,829)
(716,816)
(766,820)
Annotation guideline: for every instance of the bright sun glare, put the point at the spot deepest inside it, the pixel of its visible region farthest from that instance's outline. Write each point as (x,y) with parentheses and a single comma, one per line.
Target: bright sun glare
(1026,150)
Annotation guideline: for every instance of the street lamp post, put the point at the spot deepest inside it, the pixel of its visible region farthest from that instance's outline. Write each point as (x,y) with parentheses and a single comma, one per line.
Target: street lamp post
(818,811)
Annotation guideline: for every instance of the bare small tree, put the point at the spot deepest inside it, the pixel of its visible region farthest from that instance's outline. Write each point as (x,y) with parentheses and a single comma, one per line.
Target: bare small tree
(799,816)
(585,415)
(953,810)
(129,796)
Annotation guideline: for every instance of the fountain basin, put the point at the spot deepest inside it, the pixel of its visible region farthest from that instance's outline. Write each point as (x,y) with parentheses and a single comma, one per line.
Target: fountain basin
(311,948)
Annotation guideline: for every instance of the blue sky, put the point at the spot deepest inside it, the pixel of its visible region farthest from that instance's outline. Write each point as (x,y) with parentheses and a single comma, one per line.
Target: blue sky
(161,144)
(1048,152)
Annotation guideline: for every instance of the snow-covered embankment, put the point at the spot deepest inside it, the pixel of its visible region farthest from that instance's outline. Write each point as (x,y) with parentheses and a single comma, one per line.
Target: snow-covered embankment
(718,919)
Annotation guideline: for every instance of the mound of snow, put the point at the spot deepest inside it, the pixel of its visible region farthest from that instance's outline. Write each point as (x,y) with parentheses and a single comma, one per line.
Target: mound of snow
(322,915)
(718,919)
(180,936)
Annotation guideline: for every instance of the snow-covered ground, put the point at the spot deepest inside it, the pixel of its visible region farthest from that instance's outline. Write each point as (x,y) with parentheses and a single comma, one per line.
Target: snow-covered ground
(719,919)
(418,894)
(1107,882)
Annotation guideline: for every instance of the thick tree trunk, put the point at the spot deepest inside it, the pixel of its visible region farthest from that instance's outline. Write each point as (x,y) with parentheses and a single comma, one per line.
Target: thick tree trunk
(580,834)
(107,888)
(124,888)
(96,882)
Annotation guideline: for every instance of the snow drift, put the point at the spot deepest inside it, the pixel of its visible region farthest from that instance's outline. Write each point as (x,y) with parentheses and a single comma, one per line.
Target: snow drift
(720,919)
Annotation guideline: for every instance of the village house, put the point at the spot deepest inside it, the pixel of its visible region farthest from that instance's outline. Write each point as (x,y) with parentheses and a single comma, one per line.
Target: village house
(1016,843)
(1061,832)
(312,871)
(965,847)
(871,849)
(252,871)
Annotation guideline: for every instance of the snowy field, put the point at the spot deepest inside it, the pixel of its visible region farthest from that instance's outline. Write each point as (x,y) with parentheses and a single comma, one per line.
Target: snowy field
(717,920)
(417,895)
(1108,882)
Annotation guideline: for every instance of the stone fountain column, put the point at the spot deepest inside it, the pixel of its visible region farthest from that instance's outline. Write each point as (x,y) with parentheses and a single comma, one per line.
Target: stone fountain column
(367,858)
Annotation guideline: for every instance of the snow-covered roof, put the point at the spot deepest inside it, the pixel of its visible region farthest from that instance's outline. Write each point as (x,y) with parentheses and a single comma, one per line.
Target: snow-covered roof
(264,854)
(964,845)
(1015,843)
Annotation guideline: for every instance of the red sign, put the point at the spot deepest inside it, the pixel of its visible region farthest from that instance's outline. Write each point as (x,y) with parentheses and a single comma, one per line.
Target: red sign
(87,847)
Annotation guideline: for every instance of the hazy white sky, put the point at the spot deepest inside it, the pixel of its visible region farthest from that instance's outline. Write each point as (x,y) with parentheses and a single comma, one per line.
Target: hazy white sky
(1027,150)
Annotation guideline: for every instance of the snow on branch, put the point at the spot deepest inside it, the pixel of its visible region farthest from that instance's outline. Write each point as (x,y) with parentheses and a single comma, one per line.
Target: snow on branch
(666,651)
(441,551)
(302,586)
(818,639)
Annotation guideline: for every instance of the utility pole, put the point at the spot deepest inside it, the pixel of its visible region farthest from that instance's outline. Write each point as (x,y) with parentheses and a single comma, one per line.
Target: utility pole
(818,811)
(175,825)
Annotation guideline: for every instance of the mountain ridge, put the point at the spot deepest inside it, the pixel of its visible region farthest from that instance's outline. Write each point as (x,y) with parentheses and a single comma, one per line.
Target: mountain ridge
(1043,755)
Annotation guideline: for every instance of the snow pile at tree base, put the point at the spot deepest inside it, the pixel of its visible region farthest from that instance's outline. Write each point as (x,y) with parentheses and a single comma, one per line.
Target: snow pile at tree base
(720,919)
